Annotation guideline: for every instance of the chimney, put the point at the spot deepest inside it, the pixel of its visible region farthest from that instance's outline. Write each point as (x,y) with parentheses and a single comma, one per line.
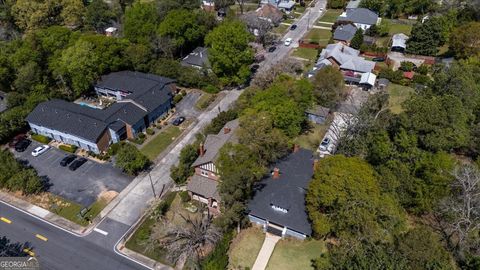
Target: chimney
(276,173)
(296,147)
(315,164)
(226,130)
(201,150)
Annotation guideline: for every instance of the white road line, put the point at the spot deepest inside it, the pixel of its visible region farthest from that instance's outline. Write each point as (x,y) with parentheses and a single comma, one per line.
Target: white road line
(101,231)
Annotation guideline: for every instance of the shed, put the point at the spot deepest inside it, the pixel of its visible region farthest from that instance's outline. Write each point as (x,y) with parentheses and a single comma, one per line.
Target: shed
(317,114)
(399,42)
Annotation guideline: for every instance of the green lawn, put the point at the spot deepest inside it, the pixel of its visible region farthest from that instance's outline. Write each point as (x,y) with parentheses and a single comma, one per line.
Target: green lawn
(320,36)
(396,28)
(311,138)
(295,254)
(204,101)
(331,15)
(139,238)
(162,140)
(245,247)
(70,210)
(397,95)
(306,53)
(282,28)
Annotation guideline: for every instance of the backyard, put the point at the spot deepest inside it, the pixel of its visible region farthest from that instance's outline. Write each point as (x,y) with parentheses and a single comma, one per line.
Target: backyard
(245,247)
(318,36)
(295,254)
(393,28)
(397,95)
(306,53)
(311,138)
(160,142)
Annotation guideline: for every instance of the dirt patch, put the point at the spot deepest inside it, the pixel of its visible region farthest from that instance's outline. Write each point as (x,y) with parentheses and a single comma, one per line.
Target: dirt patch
(108,196)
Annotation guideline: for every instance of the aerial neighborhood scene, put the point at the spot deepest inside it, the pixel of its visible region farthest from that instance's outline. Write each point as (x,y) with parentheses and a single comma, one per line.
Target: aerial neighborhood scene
(240,134)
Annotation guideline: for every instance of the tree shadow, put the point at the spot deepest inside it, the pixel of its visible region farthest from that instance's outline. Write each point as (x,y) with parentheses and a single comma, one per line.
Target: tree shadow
(14,249)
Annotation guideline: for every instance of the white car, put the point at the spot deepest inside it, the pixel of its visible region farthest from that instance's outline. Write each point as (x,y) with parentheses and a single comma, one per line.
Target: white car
(288,41)
(40,150)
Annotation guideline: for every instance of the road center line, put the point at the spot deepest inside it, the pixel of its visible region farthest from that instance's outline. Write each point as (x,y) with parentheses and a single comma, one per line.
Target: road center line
(6,220)
(41,237)
(101,231)
(29,252)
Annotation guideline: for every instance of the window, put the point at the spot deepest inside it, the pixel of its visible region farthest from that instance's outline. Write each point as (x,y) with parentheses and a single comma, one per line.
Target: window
(278,208)
(204,173)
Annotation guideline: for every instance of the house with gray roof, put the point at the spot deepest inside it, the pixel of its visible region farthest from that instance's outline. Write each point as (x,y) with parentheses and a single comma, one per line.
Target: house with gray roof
(198,58)
(140,100)
(202,186)
(361,17)
(318,114)
(399,42)
(344,33)
(278,204)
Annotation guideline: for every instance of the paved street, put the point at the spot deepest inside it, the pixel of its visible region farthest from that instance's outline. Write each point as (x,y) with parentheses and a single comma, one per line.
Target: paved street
(304,24)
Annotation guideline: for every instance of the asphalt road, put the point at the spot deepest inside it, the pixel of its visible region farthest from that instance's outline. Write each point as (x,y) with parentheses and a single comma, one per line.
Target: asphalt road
(63,250)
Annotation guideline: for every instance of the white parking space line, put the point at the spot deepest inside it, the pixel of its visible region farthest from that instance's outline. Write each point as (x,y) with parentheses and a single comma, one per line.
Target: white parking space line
(101,231)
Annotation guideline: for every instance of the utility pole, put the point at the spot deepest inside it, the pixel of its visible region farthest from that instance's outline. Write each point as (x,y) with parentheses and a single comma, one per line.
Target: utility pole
(151,183)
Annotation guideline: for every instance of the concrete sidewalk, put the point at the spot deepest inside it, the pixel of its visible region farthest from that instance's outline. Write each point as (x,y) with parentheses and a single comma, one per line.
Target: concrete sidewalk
(265,252)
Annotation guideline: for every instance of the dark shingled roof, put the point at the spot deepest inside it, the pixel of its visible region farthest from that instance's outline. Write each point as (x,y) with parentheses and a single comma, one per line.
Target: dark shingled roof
(287,191)
(198,57)
(344,32)
(360,15)
(136,83)
(203,186)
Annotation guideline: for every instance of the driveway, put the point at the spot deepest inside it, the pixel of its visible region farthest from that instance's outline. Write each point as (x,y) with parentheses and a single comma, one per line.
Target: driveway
(186,107)
(82,186)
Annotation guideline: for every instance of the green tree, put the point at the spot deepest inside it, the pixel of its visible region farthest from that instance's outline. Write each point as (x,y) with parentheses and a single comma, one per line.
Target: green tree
(229,52)
(344,199)
(329,87)
(465,41)
(357,40)
(131,160)
(140,23)
(188,155)
(426,37)
(98,15)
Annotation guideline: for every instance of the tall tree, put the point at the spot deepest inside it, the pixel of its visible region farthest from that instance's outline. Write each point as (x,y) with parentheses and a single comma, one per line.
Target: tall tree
(465,41)
(357,40)
(426,37)
(98,15)
(140,23)
(229,52)
(329,87)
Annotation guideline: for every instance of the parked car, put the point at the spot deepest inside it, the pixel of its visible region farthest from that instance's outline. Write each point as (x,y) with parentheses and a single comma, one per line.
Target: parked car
(324,144)
(272,49)
(288,41)
(67,160)
(177,121)
(378,59)
(293,27)
(16,139)
(77,163)
(40,150)
(259,58)
(254,68)
(22,145)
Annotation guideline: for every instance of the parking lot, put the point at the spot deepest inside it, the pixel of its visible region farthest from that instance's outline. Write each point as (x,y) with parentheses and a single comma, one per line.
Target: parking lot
(82,186)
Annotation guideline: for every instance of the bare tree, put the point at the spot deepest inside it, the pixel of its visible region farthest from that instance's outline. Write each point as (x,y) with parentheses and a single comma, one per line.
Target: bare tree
(241,4)
(260,27)
(459,215)
(287,66)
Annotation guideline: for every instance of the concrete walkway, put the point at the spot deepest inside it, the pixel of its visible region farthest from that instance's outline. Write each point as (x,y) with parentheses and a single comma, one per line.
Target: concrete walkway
(265,252)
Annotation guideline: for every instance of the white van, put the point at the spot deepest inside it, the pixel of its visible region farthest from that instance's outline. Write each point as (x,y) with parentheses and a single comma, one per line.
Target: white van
(288,41)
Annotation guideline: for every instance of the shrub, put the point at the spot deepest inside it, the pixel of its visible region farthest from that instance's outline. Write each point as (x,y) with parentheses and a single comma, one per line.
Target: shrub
(141,135)
(184,196)
(68,148)
(211,89)
(112,151)
(407,66)
(164,206)
(41,139)
(131,160)
(218,258)
(177,99)
(423,69)
(183,93)
(150,131)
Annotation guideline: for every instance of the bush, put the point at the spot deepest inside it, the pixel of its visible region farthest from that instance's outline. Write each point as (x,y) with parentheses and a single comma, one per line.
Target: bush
(177,99)
(164,206)
(68,148)
(184,196)
(41,139)
(218,259)
(131,160)
(112,151)
(407,66)
(141,135)
(183,93)
(423,69)
(150,131)
(211,89)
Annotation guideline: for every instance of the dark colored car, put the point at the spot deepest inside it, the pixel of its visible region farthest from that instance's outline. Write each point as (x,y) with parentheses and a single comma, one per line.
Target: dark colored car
(16,140)
(272,49)
(293,27)
(77,163)
(67,160)
(378,59)
(178,121)
(22,145)
(254,68)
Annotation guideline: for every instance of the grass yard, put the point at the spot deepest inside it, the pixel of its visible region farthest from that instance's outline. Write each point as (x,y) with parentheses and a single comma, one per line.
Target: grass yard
(306,53)
(245,247)
(160,142)
(396,28)
(70,210)
(204,101)
(295,254)
(397,95)
(311,139)
(331,15)
(282,28)
(320,36)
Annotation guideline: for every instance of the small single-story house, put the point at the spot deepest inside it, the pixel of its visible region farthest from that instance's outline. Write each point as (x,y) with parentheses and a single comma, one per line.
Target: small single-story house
(140,100)
(278,204)
(361,17)
(368,79)
(317,114)
(202,186)
(344,33)
(399,42)
(284,5)
(269,13)
(3,101)
(198,58)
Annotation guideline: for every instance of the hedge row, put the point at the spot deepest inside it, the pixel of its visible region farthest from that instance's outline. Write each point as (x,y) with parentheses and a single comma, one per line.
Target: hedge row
(41,139)
(68,148)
